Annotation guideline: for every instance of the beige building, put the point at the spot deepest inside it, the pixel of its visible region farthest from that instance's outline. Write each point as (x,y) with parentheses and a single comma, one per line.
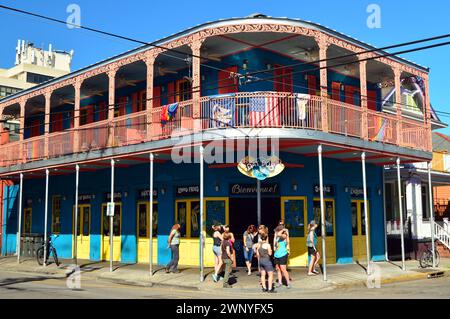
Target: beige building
(33,66)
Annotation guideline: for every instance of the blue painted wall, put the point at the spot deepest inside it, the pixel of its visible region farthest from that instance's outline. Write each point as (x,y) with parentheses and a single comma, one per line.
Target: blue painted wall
(169,175)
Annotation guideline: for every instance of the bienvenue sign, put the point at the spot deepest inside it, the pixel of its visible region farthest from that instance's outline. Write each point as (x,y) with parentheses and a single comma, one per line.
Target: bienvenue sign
(251,189)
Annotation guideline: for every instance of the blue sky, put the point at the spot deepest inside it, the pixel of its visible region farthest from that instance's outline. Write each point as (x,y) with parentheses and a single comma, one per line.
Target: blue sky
(150,20)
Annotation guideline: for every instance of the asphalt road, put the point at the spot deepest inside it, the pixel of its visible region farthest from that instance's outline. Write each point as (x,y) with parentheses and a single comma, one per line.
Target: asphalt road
(23,286)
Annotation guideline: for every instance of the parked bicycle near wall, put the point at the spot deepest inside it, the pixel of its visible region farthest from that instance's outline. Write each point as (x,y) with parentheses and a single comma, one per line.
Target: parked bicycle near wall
(426,259)
(50,249)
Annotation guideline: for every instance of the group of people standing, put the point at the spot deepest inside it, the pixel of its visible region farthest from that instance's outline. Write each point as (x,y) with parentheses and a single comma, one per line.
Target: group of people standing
(256,243)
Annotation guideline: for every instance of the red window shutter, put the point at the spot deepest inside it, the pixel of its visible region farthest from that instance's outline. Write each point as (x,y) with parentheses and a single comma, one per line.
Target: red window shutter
(122,105)
(57,122)
(226,83)
(142,105)
(35,128)
(90,114)
(71,114)
(349,94)
(277,81)
(156,96)
(171,92)
(336,91)
(312,85)
(372,100)
(135,102)
(282,79)
(103,111)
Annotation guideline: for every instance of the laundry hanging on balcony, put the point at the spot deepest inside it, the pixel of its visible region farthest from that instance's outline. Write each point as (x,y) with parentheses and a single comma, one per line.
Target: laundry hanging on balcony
(168,112)
(301,101)
(381,125)
(222,110)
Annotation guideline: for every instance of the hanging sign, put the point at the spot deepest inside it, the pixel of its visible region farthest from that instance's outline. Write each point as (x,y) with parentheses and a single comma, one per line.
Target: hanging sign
(85,198)
(145,193)
(188,191)
(328,190)
(110,209)
(251,189)
(261,168)
(117,197)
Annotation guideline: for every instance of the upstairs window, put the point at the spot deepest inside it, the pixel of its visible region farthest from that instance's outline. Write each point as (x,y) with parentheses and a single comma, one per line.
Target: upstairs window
(184,90)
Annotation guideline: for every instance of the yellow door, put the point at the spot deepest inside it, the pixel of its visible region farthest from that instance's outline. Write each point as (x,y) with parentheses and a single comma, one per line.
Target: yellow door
(143,232)
(117,226)
(359,231)
(295,215)
(83,231)
(330,228)
(187,212)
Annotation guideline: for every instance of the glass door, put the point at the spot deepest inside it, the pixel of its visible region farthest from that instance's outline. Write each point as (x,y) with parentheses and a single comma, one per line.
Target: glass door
(359,231)
(83,231)
(143,231)
(117,225)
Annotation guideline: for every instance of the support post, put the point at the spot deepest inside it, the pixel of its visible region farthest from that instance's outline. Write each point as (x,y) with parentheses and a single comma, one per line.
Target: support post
(111,220)
(152,157)
(48,97)
(202,238)
(19,218)
(323,48)
(398,103)
(322,215)
(196,78)
(77,179)
(76,117)
(366,217)
(111,104)
(400,206)
(258,199)
(149,61)
(384,217)
(364,98)
(47,173)
(430,195)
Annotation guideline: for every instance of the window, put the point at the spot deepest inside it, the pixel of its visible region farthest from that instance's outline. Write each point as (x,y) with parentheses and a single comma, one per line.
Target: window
(283,79)
(425,203)
(37,78)
(184,90)
(5,91)
(56,215)
(27,221)
(329,217)
(87,115)
(227,83)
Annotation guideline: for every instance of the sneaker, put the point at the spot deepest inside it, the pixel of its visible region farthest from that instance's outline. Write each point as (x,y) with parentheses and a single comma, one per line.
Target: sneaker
(288,287)
(226,286)
(272,291)
(249,273)
(214,277)
(264,289)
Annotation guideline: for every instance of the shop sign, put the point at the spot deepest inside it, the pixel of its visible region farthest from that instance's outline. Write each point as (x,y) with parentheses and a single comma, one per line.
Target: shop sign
(85,198)
(328,190)
(117,197)
(110,209)
(193,190)
(261,168)
(145,193)
(357,192)
(251,189)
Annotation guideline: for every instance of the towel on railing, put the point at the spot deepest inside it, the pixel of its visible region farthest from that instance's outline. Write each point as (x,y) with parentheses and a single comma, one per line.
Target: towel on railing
(301,101)
(382,131)
(222,110)
(168,112)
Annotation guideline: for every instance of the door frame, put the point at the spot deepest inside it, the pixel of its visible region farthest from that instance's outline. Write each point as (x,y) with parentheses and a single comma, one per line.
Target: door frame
(330,259)
(360,237)
(101,230)
(80,206)
(146,238)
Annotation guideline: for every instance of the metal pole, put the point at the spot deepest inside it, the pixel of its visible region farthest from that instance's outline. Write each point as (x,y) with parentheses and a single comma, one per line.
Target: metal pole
(77,176)
(400,206)
(151,216)
(258,199)
(201,212)
(366,217)
(322,215)
(430,194)
(111,220)
(384,216)
(47,173)
(19,217)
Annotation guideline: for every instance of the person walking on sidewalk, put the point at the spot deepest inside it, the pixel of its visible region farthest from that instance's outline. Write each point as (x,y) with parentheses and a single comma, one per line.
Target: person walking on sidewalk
(232,240)
(311,242)
(264,253)
(174,245)
(227,258)
(281,255)
(217,250)
(248,238)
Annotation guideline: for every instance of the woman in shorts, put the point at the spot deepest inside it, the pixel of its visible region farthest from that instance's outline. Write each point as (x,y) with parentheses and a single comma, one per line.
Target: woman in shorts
(281,256)
(264,252)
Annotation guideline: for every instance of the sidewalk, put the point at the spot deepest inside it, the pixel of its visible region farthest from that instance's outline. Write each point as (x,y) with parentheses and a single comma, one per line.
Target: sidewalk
(189,278)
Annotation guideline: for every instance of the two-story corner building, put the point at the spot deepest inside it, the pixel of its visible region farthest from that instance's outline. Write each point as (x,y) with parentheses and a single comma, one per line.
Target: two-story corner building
(416,203)
(113,110)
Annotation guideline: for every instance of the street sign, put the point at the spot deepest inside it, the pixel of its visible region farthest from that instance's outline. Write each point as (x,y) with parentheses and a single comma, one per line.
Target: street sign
(110,210)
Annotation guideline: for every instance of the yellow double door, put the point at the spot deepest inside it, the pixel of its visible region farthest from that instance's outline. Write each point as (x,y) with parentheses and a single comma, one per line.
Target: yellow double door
(105,231)
(143,232)
(359,231)
(83,231)
(330,228)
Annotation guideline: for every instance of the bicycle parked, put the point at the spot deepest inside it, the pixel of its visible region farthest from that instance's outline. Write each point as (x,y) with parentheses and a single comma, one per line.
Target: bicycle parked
(50,249)
(426,260)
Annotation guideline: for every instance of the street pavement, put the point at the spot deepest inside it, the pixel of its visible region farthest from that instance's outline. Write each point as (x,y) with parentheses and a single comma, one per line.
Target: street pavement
(14,285)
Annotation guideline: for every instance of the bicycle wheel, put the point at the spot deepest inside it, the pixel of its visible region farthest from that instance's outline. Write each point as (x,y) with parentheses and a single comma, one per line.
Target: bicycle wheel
(40,256)
(55,257)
